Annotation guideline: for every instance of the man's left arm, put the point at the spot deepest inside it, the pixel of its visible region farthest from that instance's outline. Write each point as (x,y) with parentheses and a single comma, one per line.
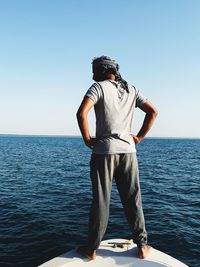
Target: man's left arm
(151,113)
(81,115)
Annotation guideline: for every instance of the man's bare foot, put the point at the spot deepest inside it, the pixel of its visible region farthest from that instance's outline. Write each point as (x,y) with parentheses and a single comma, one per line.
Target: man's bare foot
(87,253)
(144,251)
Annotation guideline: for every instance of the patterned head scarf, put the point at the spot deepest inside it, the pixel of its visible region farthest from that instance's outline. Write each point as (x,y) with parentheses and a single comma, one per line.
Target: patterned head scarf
(109,64)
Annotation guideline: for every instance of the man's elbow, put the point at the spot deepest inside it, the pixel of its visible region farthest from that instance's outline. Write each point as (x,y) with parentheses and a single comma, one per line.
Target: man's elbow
(77,114)
(80,115)
(153,113)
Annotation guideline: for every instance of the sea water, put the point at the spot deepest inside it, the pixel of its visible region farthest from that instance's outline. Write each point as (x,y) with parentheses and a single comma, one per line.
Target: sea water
(45,197)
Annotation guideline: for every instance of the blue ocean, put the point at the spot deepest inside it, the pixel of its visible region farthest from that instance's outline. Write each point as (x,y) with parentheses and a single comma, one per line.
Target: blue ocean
(45,196)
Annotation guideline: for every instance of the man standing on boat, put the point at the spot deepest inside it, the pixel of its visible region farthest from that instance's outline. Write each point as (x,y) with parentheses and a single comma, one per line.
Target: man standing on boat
(113,151)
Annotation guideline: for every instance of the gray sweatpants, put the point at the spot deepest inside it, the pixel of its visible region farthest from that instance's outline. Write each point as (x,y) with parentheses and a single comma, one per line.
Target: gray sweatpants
(124,168)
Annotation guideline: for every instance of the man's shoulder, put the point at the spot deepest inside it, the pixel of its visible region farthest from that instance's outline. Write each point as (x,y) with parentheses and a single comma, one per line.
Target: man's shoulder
(105,85)
(95,87)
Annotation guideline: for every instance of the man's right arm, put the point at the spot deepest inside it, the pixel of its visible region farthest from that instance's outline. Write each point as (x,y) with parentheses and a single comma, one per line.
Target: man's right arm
(149,119)
(81,115)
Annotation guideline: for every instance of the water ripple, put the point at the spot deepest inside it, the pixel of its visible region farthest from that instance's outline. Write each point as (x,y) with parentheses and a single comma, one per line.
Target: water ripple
(46,193)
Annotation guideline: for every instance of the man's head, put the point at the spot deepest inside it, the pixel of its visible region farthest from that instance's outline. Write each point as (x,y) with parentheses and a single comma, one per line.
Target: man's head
(104,68)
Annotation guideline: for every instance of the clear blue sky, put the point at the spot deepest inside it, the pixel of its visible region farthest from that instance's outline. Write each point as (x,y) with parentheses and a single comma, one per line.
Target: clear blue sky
(46,48)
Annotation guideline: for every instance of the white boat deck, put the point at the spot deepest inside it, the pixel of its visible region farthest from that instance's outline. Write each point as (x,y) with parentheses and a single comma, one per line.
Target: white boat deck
(123,254)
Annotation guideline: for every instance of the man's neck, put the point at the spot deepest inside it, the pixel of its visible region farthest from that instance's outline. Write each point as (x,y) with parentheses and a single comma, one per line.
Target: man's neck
(111,77)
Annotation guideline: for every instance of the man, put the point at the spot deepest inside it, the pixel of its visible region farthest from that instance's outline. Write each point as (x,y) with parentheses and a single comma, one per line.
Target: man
(114,153)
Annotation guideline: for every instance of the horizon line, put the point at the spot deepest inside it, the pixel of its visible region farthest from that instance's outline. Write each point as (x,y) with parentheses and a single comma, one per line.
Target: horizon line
(79,136)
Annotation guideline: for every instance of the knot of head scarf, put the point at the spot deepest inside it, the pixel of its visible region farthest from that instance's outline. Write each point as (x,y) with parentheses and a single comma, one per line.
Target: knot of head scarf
(109,64)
